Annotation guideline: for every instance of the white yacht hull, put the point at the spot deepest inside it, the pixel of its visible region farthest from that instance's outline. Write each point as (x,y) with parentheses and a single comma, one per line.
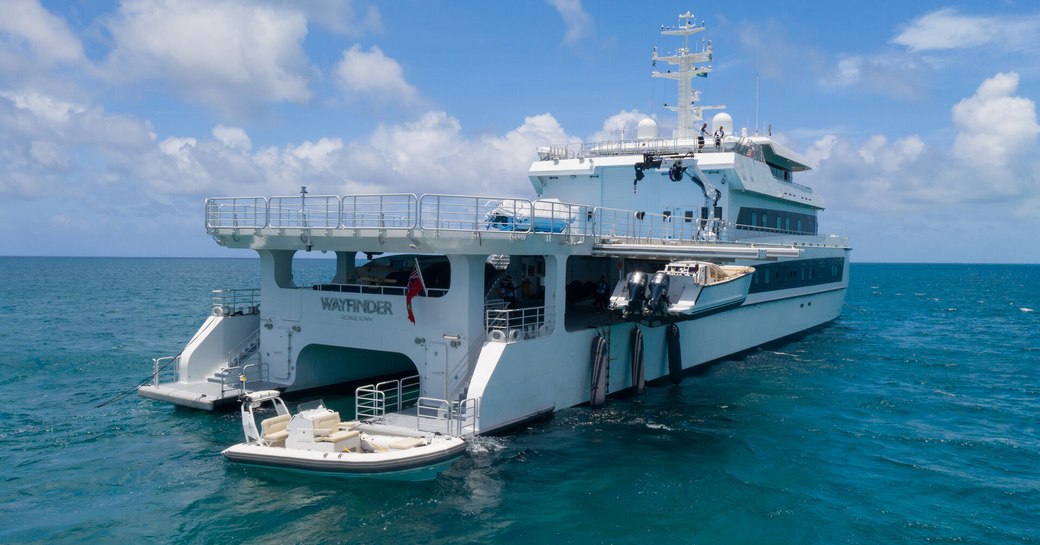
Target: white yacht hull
(554,372)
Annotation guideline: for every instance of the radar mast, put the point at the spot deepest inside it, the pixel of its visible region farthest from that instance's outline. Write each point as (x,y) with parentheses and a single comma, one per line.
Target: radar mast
(687,70)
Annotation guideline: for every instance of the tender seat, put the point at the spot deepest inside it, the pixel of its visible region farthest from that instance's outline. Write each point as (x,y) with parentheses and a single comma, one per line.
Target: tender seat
(274,431)
(329,429)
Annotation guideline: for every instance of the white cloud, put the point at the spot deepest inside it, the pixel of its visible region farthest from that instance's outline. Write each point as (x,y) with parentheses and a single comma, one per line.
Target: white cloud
(878,154)
(42,138)
(30,34)
(577,20)
(783,59)
(320,155)
(428,154)
(233,137)
(995,128)
(230,55)
(993,159)
(120,155)
(46,108)
(820,150)
(339,15)
(623,122)
(373,74)
(896,76)
(433,152)
(947,28)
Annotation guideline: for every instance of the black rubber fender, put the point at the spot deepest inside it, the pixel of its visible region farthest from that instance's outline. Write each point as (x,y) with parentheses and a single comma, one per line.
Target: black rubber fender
(598,390)
(675,370)
(638,376)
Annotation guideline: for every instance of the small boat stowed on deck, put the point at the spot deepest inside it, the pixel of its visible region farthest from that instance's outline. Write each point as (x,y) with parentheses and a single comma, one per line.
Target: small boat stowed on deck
(315,439)
(682,291)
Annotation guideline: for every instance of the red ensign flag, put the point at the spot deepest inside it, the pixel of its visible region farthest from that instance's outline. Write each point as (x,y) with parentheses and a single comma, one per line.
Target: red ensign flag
(415,286)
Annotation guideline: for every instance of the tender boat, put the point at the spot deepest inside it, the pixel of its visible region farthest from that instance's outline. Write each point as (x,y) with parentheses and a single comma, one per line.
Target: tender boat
(539,216)
(682,291)
(316,440)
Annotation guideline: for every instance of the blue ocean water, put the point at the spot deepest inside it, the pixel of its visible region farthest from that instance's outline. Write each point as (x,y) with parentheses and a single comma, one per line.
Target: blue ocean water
(911,419)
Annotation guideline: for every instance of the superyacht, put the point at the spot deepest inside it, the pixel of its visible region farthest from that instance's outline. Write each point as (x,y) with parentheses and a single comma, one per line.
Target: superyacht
(633,260)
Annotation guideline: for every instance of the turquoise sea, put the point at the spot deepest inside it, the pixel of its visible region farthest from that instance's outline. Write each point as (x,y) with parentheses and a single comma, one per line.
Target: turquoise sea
(913,418)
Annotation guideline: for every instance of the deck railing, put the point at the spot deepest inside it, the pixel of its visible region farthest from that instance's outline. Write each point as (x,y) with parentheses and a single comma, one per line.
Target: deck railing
(385,211)
(166,366)
(637,226)
(484,215)
(456,418)
(508,325)
(230,302)
(307,212)
(246,378)
(462,212)
(403,211)
(390,211)
(653,146)
(375,400)
(237,212)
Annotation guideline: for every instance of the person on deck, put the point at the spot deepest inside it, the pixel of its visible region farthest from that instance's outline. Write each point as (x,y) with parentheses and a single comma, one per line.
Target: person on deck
(601,294)
(507,291)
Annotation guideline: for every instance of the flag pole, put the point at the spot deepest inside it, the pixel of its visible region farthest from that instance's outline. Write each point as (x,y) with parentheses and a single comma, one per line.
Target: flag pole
(422,281)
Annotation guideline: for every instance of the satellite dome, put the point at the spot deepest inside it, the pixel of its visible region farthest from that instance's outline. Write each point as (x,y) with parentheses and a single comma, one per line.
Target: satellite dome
(722,120)
(646,129)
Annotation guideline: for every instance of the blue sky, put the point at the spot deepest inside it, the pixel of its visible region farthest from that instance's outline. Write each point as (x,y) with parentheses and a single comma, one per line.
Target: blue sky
(118,118)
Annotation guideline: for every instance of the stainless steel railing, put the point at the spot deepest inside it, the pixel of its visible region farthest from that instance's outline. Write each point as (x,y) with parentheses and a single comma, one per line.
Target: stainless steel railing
(381,211)
(375,400)
(484,215)
(165,366)
(241,301)
(637,226)
(509,325)
(456,418)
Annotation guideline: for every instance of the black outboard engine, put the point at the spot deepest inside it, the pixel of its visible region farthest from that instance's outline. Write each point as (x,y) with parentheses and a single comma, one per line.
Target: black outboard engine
(658,300)
(636,282)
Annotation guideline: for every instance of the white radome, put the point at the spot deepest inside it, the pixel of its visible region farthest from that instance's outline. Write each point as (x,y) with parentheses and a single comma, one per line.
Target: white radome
(646,129)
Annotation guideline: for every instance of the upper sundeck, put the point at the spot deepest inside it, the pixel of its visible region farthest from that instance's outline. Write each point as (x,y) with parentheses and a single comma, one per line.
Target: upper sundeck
(404,222)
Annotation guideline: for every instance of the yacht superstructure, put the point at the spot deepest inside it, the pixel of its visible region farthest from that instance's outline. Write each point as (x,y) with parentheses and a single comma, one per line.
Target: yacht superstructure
(497,303)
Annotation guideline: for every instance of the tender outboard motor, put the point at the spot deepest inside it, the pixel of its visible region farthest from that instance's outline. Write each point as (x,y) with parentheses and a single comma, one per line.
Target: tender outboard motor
(636,284)
(657,303)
